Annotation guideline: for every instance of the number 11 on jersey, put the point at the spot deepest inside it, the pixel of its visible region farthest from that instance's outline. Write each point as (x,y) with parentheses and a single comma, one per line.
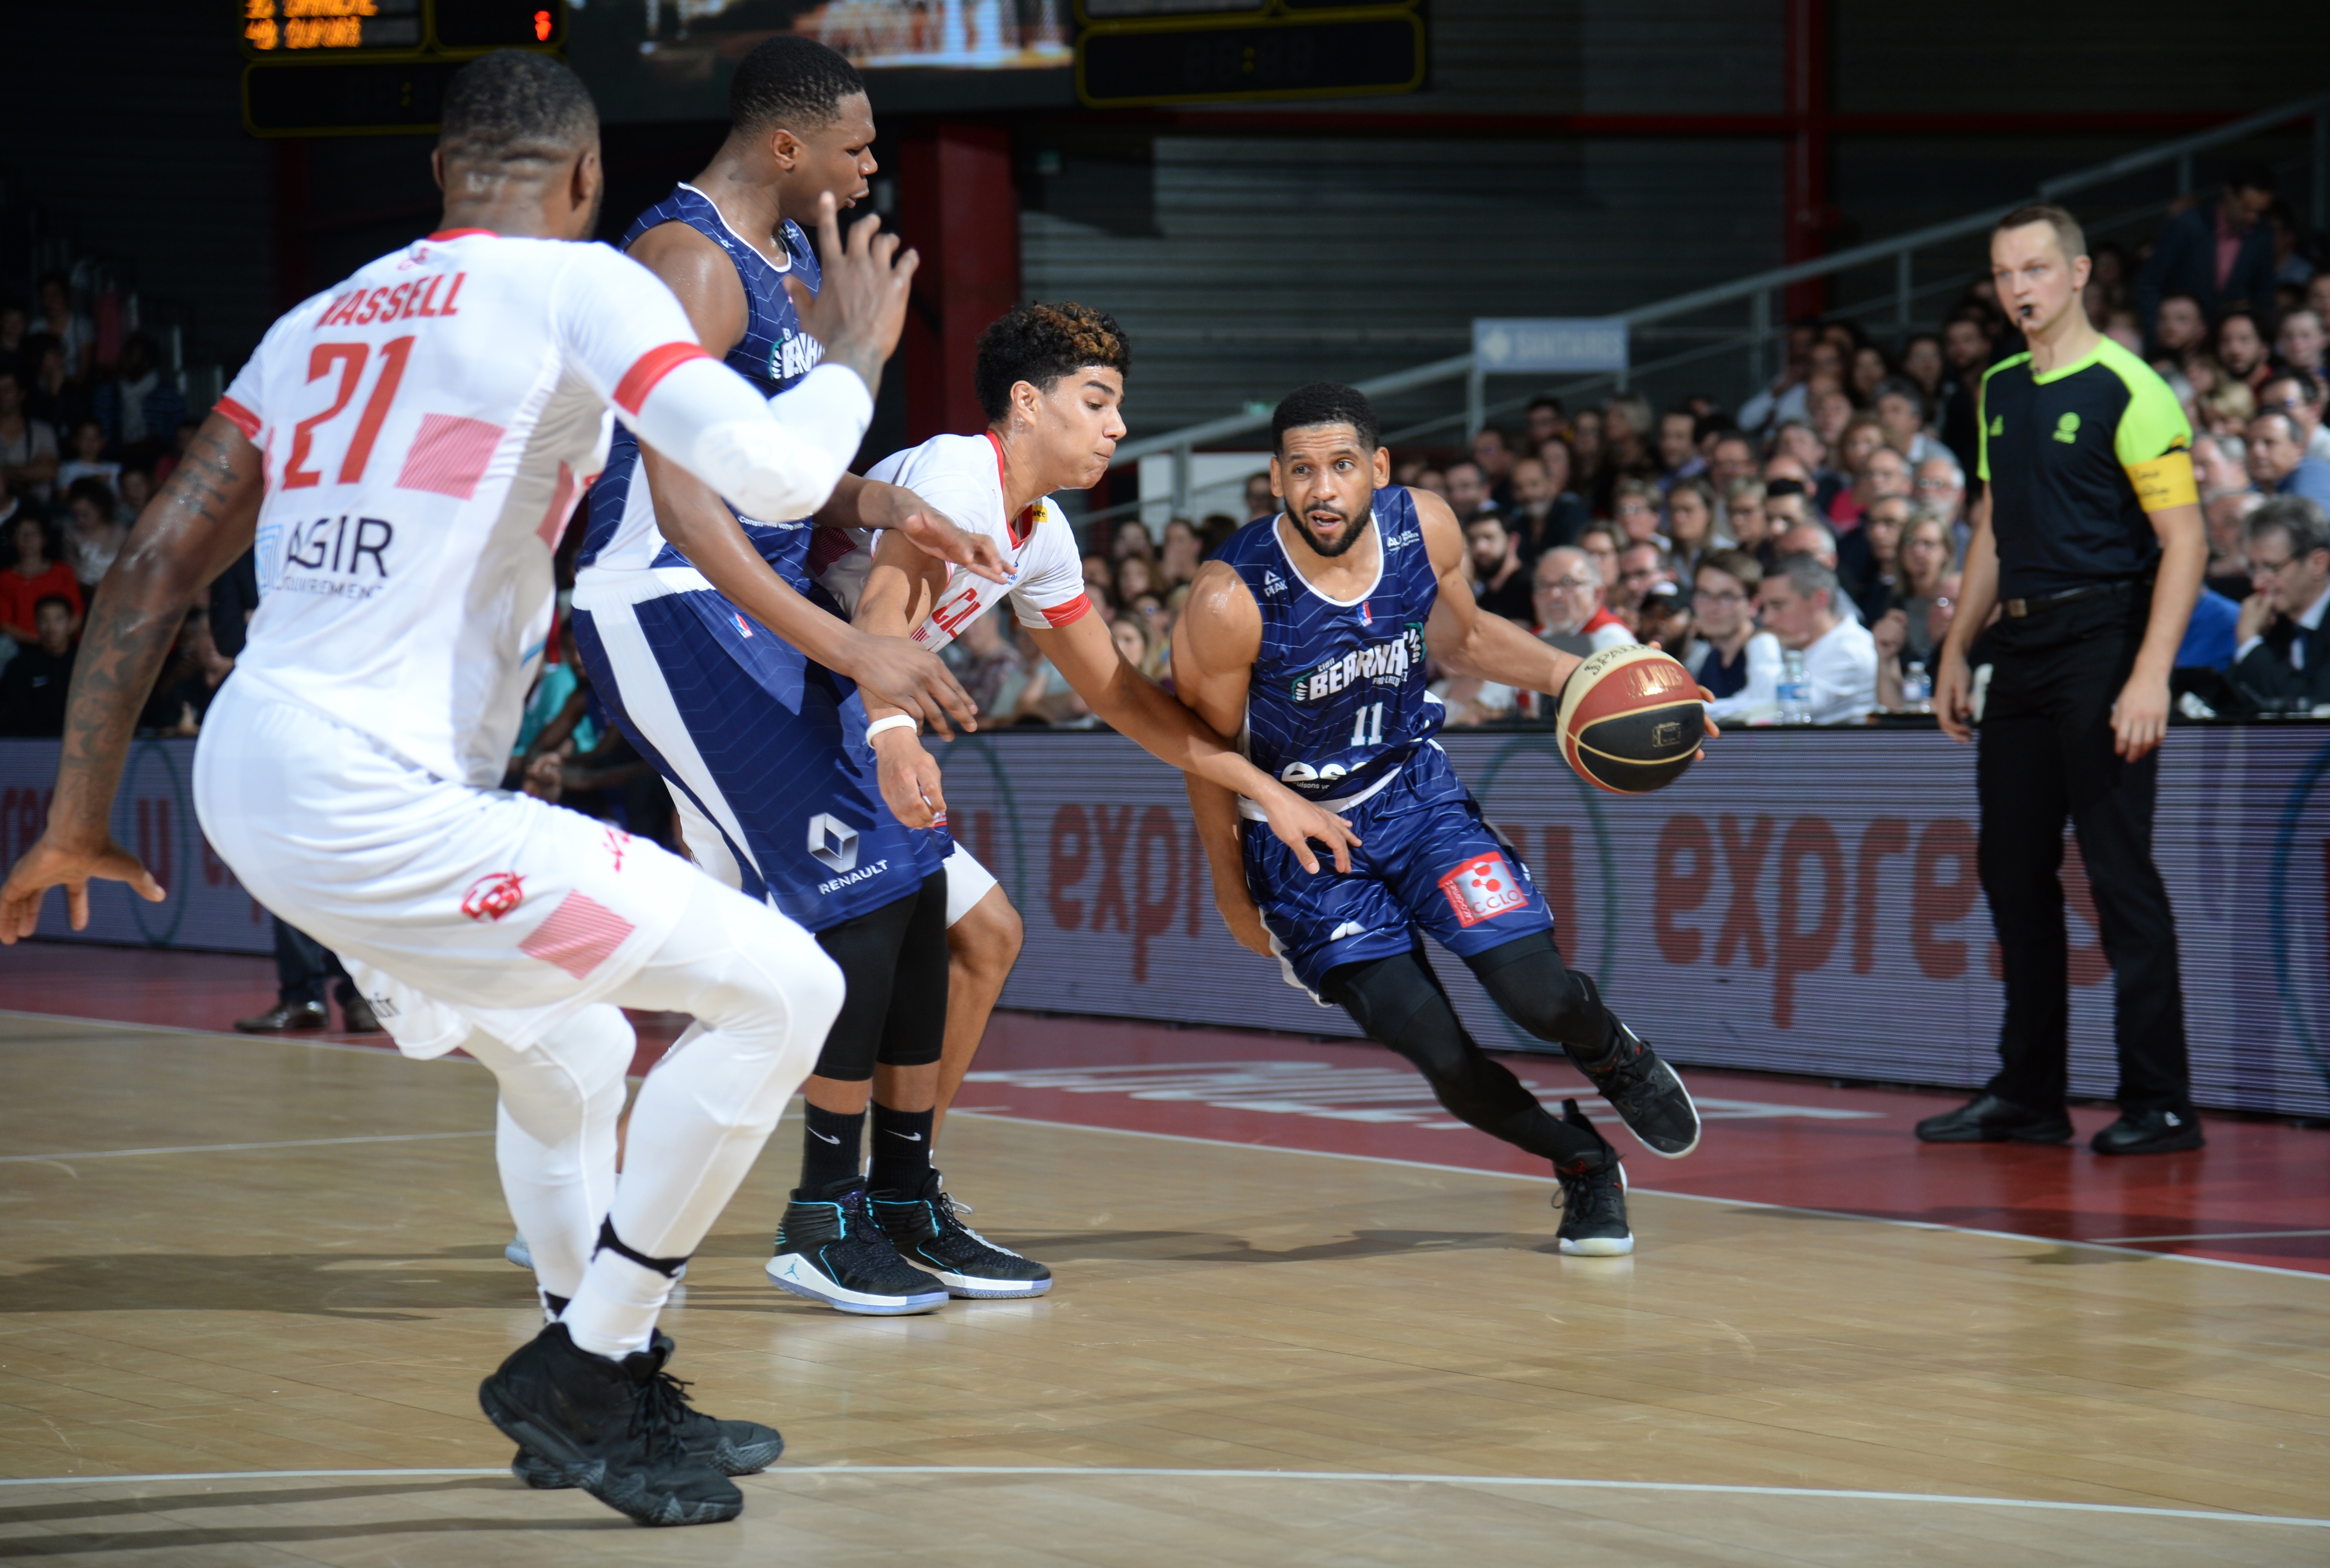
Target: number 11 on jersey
(1367,729)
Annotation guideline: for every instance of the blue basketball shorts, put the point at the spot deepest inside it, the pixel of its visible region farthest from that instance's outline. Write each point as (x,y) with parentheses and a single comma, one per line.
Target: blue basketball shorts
(1428,861)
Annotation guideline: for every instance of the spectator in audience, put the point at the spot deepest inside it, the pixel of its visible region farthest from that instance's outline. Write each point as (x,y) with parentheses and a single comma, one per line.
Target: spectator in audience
(1184,549)
(1434,481)
(2181,329)
(1543,420)
(1130,634)
(1967,354)
(1468,490)
(1602,541)
(1546,512)
(1730,458)
(2278,459)
(1733,659)
(1869,558)
(2283,638)
(1786,507)
(1862,439)
(15,327)
(1260,500)
(1130,539)
(33,684)
(1939,486)
(1744,519)
(2227,513)
(1493,454)
(1870,371)
(1641,567)
(51,394)
(2298,395)
(992,672)
(1922,363)
(88,460)
(1928,557)
(94,534)
(1665,619)
(2301,340)
(2218,464)
(1800,445)
(141,405)
(2226,409)
(1589,444)
(1771,405)
(1678,447)
(2240,346)
(1885,472)
(1634,507)
(74,332)
(1800,608)
(28,446)
(2210,635)
(1830,410)
(37,574)
(1901,409)
(1500,582)
(1628,435)
(1134,577)
(1568,602)
(2218,251)
(1690,524)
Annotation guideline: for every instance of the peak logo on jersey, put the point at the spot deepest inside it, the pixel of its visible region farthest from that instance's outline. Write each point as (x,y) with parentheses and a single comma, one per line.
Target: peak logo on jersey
(833,842)
(743,627)
(1482,888)
(337,547)
(494,895)
(1385,661)
(794,355)
(1272,584)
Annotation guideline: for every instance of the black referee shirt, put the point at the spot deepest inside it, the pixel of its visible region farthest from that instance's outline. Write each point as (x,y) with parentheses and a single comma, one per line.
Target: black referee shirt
(2075,459)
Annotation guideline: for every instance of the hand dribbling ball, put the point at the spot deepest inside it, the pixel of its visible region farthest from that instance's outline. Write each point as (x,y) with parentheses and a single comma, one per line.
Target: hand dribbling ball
(1630,720)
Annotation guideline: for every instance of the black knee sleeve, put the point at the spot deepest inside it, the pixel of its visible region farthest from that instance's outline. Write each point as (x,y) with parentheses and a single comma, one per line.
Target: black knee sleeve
(1529,983)
(915,1028)
(867,947)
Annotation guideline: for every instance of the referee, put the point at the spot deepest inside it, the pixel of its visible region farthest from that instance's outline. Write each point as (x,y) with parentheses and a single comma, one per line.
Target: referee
(2090,538)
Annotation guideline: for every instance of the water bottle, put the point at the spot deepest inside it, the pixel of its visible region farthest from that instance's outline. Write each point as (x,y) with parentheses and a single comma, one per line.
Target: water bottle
(1916,688)
(1796,693)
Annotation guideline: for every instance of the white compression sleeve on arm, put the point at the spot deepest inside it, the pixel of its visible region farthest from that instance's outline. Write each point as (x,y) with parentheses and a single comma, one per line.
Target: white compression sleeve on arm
(775,460)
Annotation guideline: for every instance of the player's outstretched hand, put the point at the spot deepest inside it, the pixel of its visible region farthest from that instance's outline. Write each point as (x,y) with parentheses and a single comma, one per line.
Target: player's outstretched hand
(48,865)
(936,535)
(860,306)
(909,777)
(1297,822)
(893,670)
(1954,695)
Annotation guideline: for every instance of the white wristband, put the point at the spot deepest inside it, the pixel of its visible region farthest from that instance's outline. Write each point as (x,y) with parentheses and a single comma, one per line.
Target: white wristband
(895,721)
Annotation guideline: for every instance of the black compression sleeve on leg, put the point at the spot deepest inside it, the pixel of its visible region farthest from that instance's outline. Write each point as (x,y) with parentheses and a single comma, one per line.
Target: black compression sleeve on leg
(1400,1003)
(914,1031)
(867,947)
(1527,980)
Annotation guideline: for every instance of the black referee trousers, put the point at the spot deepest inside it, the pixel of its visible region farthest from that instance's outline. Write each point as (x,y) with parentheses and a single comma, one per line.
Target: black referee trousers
(2046,754)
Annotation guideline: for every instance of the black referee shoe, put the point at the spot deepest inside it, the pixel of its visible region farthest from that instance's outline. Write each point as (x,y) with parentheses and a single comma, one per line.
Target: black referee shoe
(830,1249)
(732,1448)
(1987,1118)
(2156,1131)
(1592,1198)
(611,1427)
(927,1230)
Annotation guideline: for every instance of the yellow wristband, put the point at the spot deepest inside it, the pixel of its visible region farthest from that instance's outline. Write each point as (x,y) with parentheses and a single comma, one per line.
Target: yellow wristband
(2166,481)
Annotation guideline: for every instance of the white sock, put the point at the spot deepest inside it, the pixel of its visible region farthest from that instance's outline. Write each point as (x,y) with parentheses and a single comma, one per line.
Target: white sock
(614,1312)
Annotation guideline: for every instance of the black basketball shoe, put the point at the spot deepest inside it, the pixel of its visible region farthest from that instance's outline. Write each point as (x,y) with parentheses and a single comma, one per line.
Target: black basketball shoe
(613,1427)
(830,1250)
(1645,1091)
(732,1448)
(928,1233)
(1592,1198)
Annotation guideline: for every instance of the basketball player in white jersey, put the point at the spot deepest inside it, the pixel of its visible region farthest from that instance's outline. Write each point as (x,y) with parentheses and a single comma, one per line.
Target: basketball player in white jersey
(1051,381)
(404,450)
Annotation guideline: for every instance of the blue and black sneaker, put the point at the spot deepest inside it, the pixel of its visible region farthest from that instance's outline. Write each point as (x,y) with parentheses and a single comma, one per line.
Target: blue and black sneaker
(830,1250)
(927,1229)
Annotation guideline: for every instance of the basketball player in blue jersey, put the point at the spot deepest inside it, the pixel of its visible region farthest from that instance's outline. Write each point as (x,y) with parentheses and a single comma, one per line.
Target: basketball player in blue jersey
(749,705)
(1305,636)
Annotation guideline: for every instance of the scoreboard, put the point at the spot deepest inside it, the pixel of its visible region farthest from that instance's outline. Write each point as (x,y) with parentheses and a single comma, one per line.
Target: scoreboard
(1133,53)
(373,67)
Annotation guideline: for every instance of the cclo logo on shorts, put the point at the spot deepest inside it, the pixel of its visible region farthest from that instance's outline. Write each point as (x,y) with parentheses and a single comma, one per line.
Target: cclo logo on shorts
(1482,888)
(494,895)
(833,840)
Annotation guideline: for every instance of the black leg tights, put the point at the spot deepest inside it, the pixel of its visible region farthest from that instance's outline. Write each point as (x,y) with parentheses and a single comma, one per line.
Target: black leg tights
(1400,1003)
(1560,1005)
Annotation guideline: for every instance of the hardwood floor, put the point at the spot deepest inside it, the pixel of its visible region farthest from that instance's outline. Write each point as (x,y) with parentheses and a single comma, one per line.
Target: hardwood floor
(1389,1359)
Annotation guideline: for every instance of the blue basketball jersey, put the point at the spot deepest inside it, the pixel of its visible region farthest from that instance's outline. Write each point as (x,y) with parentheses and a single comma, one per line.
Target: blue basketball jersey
(774,354)
(1337,696)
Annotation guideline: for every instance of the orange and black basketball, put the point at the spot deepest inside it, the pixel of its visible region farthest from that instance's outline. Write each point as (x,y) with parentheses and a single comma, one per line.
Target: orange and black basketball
(1630,720)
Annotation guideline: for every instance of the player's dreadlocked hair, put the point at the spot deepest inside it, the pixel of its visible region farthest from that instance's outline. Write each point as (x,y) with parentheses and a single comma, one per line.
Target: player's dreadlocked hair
(1039,343)
(1326,403)
(515,106)
(789,82)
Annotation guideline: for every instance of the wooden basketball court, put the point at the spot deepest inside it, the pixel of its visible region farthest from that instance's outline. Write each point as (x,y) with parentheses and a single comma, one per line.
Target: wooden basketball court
(247,1288)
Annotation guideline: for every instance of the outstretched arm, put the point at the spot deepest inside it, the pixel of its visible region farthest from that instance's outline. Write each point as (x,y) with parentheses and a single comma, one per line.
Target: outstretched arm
(203,518)
(1465,641)
(1215,644)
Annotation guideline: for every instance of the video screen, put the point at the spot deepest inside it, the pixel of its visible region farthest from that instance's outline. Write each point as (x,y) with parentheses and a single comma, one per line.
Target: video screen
(656,60)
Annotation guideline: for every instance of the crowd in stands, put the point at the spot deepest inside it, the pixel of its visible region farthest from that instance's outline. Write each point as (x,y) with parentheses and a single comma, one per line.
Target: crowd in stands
(1826,516)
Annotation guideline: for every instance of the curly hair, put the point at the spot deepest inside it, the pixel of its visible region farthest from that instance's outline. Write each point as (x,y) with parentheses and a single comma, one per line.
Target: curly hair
(1039,343)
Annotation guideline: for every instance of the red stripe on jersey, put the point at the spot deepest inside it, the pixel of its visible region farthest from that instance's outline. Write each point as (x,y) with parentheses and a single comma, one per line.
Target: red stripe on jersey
(1068,614)
(581,934)
(449,455)
(463,233)
(654,365)
(241,417)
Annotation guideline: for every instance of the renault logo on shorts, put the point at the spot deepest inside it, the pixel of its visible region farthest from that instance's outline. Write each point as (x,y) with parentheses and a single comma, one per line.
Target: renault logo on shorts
(833,840)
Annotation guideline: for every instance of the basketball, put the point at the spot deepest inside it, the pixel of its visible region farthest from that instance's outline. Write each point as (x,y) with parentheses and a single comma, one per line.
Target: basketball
(1630,720)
